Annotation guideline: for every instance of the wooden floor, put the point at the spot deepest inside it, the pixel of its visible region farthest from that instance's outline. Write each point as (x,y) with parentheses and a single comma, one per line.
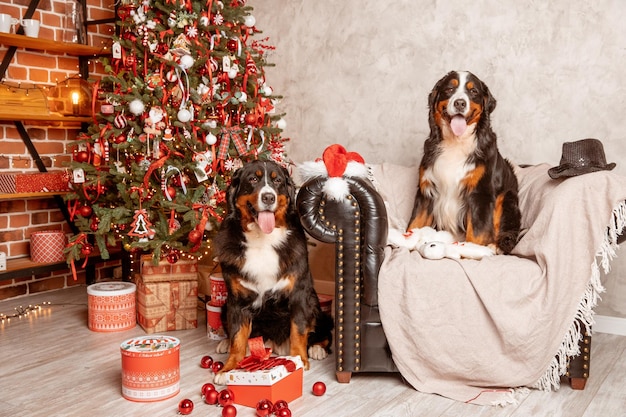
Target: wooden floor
(51,364)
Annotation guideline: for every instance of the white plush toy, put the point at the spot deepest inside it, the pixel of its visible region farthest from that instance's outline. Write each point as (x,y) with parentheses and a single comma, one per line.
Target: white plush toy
(434,244)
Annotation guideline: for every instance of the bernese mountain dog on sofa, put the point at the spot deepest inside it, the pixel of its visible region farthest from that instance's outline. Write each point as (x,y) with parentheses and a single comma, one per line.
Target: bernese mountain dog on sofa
(465,185)
(262,251)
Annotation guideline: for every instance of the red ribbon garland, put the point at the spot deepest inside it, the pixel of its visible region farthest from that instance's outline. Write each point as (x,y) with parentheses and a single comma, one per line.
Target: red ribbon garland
(80,240)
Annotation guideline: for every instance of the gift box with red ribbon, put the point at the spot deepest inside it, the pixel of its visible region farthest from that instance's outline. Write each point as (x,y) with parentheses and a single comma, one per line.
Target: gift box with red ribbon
(262,376)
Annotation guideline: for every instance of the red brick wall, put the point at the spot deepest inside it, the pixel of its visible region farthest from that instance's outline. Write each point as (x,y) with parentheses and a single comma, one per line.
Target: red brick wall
(19,218)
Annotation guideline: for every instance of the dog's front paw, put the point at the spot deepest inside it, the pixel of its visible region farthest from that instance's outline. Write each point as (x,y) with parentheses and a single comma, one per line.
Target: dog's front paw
(223,346)
(317,352)
(220,378)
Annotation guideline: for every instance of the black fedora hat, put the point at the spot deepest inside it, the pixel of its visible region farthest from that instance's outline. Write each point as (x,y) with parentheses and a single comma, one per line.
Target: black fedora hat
(581,157)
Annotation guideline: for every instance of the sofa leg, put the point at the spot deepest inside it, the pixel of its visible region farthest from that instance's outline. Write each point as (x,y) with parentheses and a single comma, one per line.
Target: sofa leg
(343,377)
(578,383)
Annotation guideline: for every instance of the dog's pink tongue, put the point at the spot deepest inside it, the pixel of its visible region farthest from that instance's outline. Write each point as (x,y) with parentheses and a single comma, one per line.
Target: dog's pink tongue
(458,125)
(266,221)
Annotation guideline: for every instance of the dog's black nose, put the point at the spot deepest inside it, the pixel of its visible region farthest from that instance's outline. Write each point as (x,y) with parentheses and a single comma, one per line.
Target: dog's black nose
(268,198)
(460,104)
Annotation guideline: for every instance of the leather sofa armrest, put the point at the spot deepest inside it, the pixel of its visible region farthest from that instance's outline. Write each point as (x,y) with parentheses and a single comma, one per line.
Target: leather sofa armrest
(357,225)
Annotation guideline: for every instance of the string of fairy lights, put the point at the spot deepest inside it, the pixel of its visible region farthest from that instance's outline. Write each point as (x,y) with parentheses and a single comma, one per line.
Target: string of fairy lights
(23,312)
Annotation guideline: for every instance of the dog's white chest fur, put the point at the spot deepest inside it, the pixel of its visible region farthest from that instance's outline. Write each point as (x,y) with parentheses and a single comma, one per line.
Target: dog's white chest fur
(262,266)
(446,175)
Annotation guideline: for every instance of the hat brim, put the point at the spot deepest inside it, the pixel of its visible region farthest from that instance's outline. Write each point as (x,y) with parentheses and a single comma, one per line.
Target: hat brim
(565,171)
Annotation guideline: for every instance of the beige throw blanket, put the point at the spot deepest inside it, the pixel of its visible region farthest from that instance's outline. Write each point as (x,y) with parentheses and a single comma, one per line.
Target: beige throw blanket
(474,330)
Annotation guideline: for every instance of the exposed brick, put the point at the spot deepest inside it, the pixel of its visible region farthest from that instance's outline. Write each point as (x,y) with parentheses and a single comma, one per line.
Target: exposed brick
(13,291)
(39,75)
(12,206)
(11,235)
(40,204)
(11,147)
(41,217)
(17,73)
(21,163)
(18,221)
(4,221)
(55,283)
(17,249)
(36,60)
(50,147)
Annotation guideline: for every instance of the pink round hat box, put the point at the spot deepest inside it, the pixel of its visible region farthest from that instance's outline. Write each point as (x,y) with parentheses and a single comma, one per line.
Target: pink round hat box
(47,246)
(150,368)
(111,306)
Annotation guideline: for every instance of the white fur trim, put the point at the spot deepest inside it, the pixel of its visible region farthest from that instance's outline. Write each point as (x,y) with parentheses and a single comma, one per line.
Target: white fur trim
(336,188)
(356,169)
(311,169)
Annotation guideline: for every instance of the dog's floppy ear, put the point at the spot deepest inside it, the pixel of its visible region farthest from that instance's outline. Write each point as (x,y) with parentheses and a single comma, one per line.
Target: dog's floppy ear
(231,192)
(291,188)
(432,98)
(490,100)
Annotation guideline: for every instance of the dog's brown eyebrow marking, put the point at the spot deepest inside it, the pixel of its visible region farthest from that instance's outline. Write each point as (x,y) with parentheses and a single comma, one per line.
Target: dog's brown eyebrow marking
(273,175)
(454,82)
(258,173)
(470,84)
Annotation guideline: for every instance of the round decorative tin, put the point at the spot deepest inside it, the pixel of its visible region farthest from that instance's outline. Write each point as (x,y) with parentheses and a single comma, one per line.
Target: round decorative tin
(111,306)
(214,327)
(219,293)
(150,368)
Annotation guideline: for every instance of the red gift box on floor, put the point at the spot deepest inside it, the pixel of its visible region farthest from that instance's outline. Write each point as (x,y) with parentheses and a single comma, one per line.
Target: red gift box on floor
(40,182)
(280,378)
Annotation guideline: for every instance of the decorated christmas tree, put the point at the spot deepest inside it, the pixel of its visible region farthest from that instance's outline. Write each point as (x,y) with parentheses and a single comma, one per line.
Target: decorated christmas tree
(183,104)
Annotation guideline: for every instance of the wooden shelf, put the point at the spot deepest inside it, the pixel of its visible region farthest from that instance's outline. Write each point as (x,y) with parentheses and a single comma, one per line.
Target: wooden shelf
(24,267)
(74,49)
(52,117)
(15,196)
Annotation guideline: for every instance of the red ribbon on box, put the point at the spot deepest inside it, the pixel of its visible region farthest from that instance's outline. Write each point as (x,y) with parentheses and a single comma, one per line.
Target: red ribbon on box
(260,359)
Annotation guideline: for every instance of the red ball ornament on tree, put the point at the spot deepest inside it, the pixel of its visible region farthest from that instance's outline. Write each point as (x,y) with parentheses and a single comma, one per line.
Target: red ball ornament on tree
(87,249)
(172,257)
(264,408)
(195,236)
(206,362)
(229,411)
(210,397)
(319,388)
(171,191)
(232,45)
(82,156)
(250,118)
(85,211)
(226,397)
(185,407)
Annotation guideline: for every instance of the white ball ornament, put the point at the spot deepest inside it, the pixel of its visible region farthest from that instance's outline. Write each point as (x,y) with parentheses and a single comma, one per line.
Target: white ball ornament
(184,115)
(136,107)
(281,124)
(186,61)
(267,90)
(211,139)
(249,21)
(232,73)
